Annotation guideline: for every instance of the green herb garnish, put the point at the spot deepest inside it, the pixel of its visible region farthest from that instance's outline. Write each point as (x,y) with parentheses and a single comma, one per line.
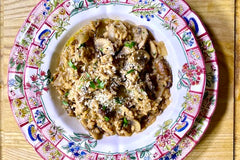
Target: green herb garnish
(72,65)
(92,85)
(88,75)
(130,45)
(65,103)
(100,84)
(66,94)
(117,100)
(106,118)
(82,45)
(125,122)
(130,71)
(104,108)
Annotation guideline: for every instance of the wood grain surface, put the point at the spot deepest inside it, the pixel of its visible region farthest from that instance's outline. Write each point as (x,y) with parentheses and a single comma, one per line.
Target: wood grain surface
(216,144)
(237,82)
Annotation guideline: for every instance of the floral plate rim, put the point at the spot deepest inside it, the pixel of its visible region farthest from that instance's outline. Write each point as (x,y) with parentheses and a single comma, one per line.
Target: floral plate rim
(20,126)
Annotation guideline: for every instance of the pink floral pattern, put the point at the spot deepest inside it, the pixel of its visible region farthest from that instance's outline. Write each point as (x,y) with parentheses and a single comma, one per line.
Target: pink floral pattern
(51,152)
(190,101)
(39,82)
(189,75)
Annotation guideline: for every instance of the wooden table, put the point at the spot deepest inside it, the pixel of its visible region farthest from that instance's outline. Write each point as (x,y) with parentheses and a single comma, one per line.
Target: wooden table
(217,143)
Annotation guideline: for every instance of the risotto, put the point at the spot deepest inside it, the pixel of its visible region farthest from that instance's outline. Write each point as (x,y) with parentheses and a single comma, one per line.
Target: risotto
(113,77)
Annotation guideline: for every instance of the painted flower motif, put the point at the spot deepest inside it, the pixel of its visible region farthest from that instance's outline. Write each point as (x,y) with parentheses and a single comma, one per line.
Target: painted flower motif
(33,101)
(178,9)
(190,101)
(40,117)
(170,2)
(62,11)
(36,59)
(20,56)
(42,73)
(21,113)
(17,102)
(207,48)
(56,18)
(32,60)
(189,75)
(17,60)
(55,155)
(194,55)
(195,99)
(30,30)
(37,51)
(164,139)
(173,16)
(173,154)
(171,23)
(188,39)
(38,93)
(11,82)
(185,143)
(34,78)
(55,132)
(75,149)
(47,147)
(124,157)
(39,82)
(147,9)
(166,18)
(199,70)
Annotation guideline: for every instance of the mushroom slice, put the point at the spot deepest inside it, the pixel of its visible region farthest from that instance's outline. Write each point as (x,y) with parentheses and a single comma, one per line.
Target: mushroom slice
(104,45)
(126,51)
(136,126)
(138,59)
(117,31)
(82,37)
(140,35)
(157,48)
(153,49)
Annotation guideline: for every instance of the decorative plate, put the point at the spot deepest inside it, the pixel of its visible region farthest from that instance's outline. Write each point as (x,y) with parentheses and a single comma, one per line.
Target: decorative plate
(52,133)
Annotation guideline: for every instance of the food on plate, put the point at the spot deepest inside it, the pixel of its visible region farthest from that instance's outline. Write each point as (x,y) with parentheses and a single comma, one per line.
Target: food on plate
(113,77)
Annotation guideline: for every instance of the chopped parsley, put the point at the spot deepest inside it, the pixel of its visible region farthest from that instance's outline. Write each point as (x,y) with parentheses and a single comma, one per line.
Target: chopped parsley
(100,84)
(72,65)
(117,100)
(130,71)
(88,75)
(130,45)
(65,103)
(106,118)
(82,45)
(92,85)
(104,108)
(125,122)
(66,94)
